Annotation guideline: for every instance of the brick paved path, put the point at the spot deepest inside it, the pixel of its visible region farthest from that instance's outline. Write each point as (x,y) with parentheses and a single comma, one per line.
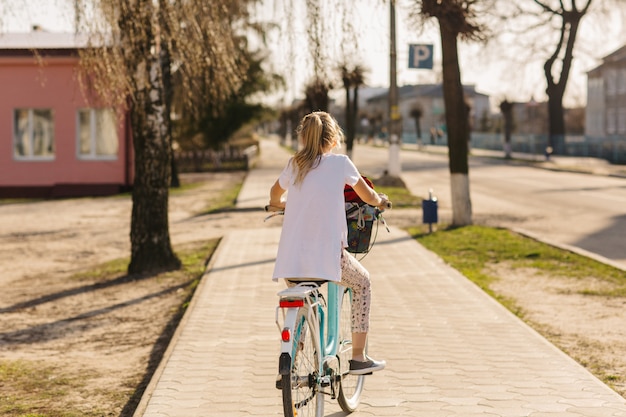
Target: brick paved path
(450,349)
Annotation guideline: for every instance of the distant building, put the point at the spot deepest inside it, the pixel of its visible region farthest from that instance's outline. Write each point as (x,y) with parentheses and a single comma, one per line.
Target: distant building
(530,118)
(606,97)
(54,142)
(338,107)
(428,98)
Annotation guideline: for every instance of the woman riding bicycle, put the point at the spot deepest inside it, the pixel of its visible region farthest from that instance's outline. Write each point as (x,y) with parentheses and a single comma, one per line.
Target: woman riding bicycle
(314,234)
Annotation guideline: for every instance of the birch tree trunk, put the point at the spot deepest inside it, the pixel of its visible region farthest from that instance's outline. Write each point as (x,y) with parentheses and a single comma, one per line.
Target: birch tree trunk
(147,41)
(151,248)
(457,127)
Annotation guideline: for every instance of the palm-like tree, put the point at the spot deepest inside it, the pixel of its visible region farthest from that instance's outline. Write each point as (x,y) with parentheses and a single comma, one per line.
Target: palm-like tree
(506,107)
(316,94)
(352,79)
(416,113)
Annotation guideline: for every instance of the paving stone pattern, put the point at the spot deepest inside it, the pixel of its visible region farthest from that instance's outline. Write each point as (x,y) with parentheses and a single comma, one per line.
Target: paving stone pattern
(451,350)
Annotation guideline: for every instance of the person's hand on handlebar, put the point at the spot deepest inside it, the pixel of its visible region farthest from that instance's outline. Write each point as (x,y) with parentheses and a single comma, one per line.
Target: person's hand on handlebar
(277,202)
(384,202)
(275,206)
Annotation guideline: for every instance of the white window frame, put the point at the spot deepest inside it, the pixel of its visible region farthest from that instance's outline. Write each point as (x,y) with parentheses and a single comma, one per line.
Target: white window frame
(30,156)
(621,120)
(611,80)
(621,81)
(611,122)
(93,137)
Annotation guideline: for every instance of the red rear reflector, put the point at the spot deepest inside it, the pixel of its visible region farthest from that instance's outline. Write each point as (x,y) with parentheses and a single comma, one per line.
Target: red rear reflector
(285,335)
(291,303)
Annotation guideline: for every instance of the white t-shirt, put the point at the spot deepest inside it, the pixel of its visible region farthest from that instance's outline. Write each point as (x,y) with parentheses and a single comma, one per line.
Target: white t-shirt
(314,229)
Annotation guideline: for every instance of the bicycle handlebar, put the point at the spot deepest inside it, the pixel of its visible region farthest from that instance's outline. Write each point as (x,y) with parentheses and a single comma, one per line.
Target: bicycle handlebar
(276,209)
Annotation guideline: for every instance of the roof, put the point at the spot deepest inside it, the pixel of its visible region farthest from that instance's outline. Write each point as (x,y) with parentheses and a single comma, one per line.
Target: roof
(424,90)
(46,43)
(616,56)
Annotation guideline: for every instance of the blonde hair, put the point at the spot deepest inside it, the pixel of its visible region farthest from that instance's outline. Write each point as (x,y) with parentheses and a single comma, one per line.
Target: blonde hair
(317,131)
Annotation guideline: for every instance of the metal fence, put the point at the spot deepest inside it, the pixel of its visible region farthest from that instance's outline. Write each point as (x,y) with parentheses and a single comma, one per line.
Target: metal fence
(228,158)
(612,149)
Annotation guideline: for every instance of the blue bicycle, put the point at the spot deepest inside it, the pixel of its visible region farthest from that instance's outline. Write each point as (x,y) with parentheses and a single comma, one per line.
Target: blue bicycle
(314,321)
(316,348)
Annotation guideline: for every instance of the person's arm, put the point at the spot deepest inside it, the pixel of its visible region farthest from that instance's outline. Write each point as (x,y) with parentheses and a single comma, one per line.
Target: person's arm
(370,196)
(276,193)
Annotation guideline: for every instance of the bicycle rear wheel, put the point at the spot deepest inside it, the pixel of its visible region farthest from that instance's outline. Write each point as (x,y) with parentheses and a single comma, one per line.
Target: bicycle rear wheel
(351,386)
(300,387)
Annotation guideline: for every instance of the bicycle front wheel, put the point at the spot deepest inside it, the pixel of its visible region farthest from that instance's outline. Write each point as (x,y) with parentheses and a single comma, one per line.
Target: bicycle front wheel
(351,386)
(301,397)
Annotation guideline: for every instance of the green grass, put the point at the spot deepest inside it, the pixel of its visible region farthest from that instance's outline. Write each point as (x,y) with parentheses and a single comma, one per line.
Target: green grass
(103,270)
(225,201)
(400,197)
(39,387)
(189,186)
(194,258)
(472,249)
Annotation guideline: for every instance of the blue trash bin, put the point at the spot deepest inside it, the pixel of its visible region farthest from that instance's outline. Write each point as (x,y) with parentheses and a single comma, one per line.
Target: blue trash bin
(429,211)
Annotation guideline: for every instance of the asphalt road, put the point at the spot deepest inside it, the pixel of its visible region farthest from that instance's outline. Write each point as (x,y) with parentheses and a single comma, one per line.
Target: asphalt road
(566,208)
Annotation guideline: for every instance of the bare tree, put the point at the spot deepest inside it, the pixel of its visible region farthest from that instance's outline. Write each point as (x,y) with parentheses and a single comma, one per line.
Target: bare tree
(550,39)
(457,19)
(146,42)
(557,67)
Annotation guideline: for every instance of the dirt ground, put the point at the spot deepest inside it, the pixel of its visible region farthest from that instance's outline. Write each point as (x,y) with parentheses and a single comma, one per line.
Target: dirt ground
(94,338)
(103,336)
(589,328)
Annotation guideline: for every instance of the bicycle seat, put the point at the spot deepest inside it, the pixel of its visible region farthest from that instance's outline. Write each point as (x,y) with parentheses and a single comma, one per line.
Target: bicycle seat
(308,281)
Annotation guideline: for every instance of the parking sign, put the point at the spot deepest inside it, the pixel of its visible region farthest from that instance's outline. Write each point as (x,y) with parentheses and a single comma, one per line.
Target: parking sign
(421,56)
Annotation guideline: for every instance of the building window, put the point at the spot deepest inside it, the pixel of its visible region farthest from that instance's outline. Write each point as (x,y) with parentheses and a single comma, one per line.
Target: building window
(33,134)
(611,125)
(97,134)
(611,82)
(621,81)
(621,121)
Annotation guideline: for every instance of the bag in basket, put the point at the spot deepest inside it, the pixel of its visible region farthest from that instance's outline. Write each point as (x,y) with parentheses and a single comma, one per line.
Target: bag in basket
(360,218)
(360,222)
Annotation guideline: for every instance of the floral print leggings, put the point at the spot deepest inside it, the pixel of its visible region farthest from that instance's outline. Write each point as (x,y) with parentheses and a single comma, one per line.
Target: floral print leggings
(356,277)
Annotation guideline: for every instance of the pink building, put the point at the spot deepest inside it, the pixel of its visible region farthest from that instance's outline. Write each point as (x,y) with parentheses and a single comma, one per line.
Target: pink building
(53,141)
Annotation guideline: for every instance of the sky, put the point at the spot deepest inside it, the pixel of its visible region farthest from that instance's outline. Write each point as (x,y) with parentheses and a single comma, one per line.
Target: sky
(500,71)
(496,74)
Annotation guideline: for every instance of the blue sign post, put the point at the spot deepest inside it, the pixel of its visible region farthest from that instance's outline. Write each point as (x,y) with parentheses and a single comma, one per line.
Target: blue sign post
(421,56)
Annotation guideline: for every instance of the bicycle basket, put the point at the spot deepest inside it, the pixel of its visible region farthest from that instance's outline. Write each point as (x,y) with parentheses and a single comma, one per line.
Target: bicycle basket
(360,220)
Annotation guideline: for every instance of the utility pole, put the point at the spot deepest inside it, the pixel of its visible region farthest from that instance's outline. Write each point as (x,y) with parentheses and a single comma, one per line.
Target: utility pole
(394,127)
